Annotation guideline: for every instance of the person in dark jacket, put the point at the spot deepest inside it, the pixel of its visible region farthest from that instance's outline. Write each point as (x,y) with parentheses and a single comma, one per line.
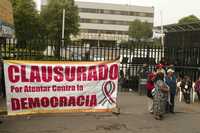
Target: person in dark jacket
(170,80)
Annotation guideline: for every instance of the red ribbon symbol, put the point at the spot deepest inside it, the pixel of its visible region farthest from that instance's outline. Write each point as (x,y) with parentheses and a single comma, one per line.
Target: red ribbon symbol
(108,88)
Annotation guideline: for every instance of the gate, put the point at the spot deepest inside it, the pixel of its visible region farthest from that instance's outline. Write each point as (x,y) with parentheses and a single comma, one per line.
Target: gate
(131,58)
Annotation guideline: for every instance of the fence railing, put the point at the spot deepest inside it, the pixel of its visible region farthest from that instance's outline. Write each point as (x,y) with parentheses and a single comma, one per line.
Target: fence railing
(56,50)
(184,56)
(131,57)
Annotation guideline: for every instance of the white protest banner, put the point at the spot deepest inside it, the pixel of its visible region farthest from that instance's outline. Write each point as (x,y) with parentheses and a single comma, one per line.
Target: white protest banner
(65,86)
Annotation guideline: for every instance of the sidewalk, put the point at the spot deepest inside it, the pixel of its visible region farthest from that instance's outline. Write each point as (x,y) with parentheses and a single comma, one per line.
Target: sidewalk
(134,118)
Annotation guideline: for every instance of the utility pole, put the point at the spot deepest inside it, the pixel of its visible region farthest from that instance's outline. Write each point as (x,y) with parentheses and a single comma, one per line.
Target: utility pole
(63,33)
(162,29)
(63,25)
(98,43)
(162,34)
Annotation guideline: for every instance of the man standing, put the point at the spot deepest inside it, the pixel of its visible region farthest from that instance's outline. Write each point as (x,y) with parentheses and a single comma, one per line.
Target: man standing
(170,80)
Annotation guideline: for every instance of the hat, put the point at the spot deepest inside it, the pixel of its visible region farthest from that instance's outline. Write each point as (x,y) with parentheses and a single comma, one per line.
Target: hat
(170,70)
(159,65)
(160,71)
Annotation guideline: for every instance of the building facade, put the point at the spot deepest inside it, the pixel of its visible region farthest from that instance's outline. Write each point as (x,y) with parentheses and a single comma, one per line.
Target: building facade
(6,19)
(100,22)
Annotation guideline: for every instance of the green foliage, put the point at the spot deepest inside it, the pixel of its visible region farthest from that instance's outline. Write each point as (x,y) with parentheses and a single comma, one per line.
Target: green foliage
(51,17)
(140,30)
(25,19)
(188,19)
(27,24)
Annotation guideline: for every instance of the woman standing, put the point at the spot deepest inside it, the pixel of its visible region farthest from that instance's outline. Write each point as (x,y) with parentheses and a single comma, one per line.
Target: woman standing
(159,96)
(170,80)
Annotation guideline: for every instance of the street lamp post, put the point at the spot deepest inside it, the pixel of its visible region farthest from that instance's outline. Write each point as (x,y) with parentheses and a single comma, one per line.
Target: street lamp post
(63,33)
(162,34)
(63,25)
(162,29)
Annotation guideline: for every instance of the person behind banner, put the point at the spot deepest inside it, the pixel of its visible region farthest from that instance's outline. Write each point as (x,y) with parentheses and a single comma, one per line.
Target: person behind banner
(121,80)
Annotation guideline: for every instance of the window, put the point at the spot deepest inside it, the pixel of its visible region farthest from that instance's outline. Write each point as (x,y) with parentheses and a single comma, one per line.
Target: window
(88,10)
(116,12)
(104,31)
(101,21)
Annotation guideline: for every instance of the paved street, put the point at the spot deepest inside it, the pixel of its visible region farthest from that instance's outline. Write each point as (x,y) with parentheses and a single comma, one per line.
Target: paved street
(133,119)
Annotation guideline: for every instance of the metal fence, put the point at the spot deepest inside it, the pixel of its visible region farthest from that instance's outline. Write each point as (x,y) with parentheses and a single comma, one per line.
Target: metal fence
(186,61)
(57,50)
(131,57)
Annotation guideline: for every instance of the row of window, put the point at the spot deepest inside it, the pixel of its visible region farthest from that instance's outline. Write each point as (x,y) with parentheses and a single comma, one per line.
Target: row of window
(103,36)
(101,21)
(104,31)
(116,12)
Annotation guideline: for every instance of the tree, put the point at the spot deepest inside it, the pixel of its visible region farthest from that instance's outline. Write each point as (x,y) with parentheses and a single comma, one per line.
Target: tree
(51,16)
(140,30)
(188,19)
(25,19)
